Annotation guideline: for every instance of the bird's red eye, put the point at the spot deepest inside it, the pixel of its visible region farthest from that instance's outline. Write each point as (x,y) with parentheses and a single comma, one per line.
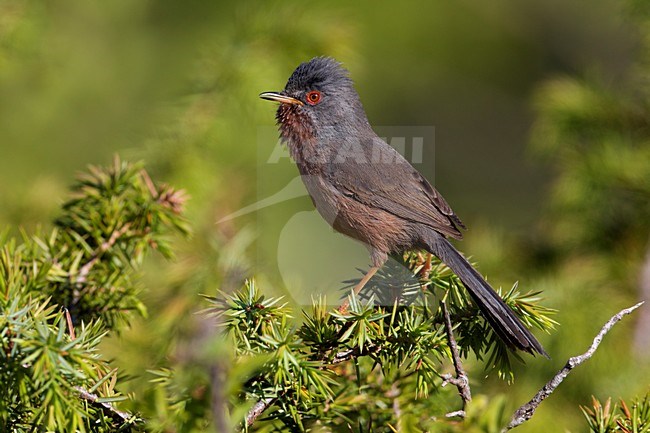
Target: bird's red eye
(313,97)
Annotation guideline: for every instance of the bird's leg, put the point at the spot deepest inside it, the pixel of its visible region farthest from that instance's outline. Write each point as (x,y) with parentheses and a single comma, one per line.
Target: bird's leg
(344,306)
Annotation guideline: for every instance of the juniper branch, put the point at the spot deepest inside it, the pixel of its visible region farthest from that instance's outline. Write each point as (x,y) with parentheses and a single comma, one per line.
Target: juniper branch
(115,414)
(342,356)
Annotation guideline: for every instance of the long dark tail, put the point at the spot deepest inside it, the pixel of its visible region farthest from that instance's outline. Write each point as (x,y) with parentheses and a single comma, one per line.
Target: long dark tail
(496,312)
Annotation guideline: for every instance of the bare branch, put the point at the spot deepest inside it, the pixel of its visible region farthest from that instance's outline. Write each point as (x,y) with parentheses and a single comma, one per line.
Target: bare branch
(526,412)
(461,381)
(117,415)
(344,355)
(258,409)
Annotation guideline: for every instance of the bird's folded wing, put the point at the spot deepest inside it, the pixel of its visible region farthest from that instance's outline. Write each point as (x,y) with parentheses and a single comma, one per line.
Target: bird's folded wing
(399,189)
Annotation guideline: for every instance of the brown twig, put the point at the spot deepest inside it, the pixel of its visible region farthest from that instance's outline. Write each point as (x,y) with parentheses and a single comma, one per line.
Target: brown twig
(105,246)
(149,183)
(526,412)
(461,381)
(347,355)
(68,319)
(115,414)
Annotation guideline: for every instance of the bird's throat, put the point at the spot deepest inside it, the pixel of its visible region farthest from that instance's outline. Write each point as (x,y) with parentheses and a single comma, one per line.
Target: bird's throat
(296,129)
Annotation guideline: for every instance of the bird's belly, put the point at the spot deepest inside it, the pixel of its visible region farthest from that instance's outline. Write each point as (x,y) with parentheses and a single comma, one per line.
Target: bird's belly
(375,227)
(323,196)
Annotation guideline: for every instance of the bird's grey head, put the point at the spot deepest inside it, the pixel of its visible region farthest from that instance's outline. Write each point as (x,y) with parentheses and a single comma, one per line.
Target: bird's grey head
(318,103)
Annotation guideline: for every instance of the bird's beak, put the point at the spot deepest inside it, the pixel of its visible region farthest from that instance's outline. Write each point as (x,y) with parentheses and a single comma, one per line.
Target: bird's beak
(279,97)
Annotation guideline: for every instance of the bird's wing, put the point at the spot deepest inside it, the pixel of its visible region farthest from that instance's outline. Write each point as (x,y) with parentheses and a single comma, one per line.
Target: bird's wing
(397,188)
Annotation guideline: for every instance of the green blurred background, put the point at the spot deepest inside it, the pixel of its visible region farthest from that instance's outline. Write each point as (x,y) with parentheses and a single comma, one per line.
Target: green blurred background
(532,101)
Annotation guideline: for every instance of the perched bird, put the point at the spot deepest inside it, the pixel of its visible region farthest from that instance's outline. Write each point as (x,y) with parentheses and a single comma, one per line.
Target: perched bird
(366,190)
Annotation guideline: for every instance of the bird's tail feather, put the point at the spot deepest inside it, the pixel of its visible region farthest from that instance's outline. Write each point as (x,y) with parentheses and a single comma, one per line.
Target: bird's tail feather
(502,319)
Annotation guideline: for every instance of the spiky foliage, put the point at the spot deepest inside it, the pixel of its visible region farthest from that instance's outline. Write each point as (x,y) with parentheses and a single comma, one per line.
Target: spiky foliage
(373,365)
(607,419)
(61,293)
(116,216)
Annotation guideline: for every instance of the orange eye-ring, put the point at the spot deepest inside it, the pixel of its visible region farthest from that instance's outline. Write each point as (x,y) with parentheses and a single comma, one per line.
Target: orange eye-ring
(313,97)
